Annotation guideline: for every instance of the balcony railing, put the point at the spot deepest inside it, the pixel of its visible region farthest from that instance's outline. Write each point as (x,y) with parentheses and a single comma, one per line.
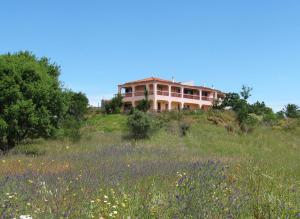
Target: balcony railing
(190,96)
(207,98)
(166,93)
(128,94)
(163,93)
(139,93)
(175,94)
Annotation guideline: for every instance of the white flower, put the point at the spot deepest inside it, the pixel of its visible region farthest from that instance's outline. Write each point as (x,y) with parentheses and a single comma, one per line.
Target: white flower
(25,217)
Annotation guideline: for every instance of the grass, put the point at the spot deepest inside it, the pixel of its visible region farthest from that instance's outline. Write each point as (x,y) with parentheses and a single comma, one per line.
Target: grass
(208,173)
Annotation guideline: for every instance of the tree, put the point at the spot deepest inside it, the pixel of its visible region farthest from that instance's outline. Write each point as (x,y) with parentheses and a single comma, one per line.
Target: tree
(78,103)
(139,124)
(144,104)
(246,92)
(292,111)
(260,108)
(230,100)
(32,101)
(114,105)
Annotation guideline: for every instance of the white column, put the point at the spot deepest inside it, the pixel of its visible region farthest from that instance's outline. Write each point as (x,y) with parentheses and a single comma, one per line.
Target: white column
(133,90)
(200,93)
(169,90)
(181,105)
(119,89)
(154,96)
(169,106)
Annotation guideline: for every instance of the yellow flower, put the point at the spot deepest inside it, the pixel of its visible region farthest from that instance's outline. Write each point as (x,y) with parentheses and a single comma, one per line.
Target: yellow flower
(3,161)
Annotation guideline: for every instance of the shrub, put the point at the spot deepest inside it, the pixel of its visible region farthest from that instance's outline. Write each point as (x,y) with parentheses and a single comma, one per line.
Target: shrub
(292,111)
(248,124)
(71,128)
(184,126)
(30,150)
(139,124)
(270,119)
(114,105)
(144,104)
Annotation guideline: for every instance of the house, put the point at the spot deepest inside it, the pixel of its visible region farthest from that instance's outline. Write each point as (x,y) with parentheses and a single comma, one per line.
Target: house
(168,94)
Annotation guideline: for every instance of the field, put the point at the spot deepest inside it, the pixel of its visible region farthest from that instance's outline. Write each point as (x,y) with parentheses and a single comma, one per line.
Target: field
(208,173)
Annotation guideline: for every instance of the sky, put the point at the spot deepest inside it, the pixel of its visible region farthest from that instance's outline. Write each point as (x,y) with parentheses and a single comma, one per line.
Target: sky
(100,44)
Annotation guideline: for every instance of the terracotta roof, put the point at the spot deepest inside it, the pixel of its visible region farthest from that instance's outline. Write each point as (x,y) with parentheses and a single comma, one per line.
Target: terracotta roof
(152,79)
(149,80)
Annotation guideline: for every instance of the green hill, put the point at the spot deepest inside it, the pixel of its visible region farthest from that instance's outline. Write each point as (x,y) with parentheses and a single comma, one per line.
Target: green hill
(214,171)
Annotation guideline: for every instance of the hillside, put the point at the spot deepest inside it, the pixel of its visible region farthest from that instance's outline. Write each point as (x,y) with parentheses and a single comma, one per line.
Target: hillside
(210,172)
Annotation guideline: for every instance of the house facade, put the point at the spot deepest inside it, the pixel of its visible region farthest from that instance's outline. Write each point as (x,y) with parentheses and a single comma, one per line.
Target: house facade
(168,94)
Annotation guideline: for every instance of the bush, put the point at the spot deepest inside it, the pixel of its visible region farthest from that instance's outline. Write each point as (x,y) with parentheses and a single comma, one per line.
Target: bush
(292,111)
(249,123)
(30,150)
(71,128)
(144,104)
(114,105)
(139,124)
(270,119)
(184,127)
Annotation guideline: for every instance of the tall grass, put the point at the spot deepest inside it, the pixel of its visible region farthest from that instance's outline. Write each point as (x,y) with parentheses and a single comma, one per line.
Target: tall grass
(206,173)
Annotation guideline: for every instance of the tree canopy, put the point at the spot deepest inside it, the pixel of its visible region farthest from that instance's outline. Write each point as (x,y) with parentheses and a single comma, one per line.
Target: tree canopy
(32,100)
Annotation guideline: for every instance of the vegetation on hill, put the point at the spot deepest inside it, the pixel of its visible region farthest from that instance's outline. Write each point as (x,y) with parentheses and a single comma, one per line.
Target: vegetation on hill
(237,160)
(32,101)
(209,172)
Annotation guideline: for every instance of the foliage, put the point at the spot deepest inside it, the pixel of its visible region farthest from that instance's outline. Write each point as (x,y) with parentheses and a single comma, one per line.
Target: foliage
(144,104)
(71,128)
(114,105)
(246,92)
(230,100)
(78,104)
(292,111)
(184,127)
(260,108)
(139,124)
(32,101)
(207,174)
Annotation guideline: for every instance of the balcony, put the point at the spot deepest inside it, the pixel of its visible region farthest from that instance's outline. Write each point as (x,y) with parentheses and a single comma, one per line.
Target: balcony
(128,94)
(176,94)
(139,93)
(207,98)
(190,96)
(163,93)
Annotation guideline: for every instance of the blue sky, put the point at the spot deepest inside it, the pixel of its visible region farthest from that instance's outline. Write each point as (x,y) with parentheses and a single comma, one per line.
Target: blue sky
(99,44)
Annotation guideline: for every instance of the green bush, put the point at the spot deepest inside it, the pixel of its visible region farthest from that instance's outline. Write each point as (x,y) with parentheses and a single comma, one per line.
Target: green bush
(144,104)
(71,128)
(184,127)
(139,124)
(30,150)
(292,111)
(114,105)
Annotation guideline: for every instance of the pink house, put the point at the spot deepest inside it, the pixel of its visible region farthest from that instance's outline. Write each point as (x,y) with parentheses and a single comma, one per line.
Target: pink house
(168,95)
